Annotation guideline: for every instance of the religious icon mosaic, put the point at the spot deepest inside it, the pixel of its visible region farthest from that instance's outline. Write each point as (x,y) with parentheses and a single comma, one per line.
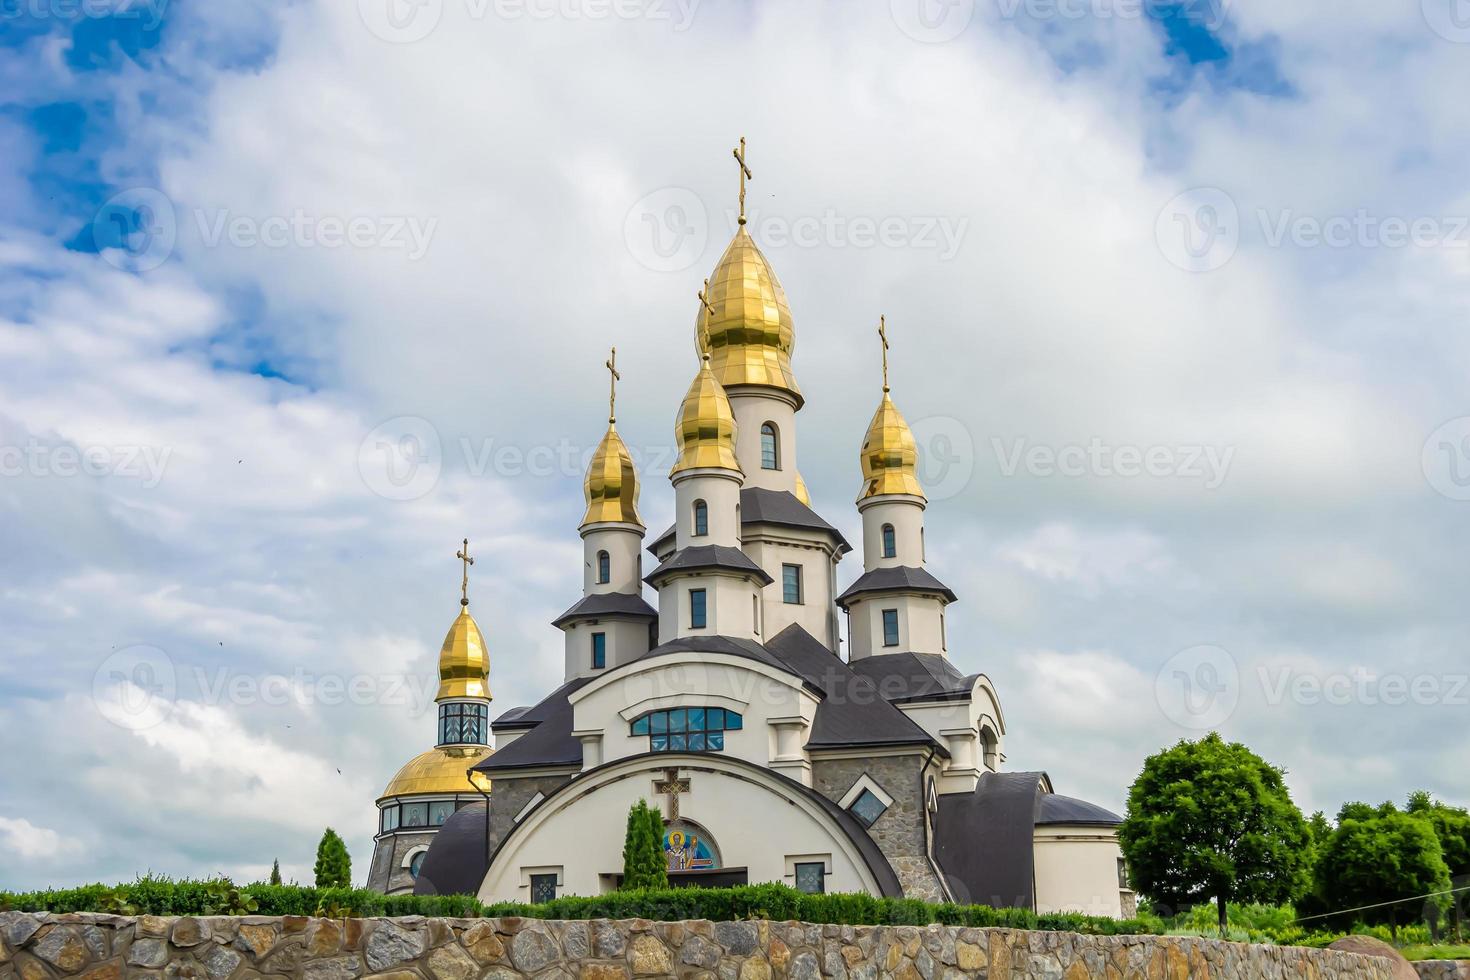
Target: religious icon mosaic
(689,848)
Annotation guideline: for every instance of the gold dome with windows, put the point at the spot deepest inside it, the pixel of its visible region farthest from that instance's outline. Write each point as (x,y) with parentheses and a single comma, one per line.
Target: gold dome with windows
(442,769)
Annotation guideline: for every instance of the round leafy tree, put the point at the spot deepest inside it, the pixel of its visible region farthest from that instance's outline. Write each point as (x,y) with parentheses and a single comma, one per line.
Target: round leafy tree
(1377,857)
(1213,820)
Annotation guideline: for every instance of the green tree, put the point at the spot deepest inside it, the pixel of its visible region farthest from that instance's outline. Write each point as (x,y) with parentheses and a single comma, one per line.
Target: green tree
(333,864)
(1378,868)
(1213,820)
(276,872)
(644,864)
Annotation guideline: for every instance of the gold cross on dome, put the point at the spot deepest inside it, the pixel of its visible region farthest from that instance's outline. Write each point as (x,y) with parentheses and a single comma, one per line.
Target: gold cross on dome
(709,312)
(745,175)
(671,787)
(464,582)
(883,336)
(612,385)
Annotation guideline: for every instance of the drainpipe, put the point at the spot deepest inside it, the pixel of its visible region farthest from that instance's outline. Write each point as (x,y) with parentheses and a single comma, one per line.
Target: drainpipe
(469,774)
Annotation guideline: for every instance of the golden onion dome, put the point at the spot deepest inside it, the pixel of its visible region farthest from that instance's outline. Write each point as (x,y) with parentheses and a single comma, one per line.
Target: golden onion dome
(890,457)
(440,770)
(611,487)
(802,493)
(747,331)
(464,664)
(706,426)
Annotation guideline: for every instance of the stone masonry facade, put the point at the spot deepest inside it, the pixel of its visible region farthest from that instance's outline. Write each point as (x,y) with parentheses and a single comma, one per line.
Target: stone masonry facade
(387,872)
(89,946)
(902,832)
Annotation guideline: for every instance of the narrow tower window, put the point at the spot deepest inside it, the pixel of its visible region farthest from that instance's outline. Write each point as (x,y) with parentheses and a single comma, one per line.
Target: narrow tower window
(701,518)
(697,613)
(890,546)
(791,584)
(599,651)
(770,459)
(890,627)
(604,568)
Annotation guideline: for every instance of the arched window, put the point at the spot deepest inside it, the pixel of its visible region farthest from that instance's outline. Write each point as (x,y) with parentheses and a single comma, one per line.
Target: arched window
(604,568)
(701,518)
(687,729)
(890,546)
(770,458)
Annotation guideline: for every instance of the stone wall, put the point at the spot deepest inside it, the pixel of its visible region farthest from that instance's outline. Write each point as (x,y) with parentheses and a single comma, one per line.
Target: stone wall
(1443,969)
(902,833)
(106,947)
(510,797)
(387,873)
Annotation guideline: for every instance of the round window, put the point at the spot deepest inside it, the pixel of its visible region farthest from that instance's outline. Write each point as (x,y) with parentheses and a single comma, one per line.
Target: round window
(416,862)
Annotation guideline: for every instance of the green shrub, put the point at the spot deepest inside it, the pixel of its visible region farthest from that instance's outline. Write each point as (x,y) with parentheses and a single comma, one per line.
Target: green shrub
(156,895)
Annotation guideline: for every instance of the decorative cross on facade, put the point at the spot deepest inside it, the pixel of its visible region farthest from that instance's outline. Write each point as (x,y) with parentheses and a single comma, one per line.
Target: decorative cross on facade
(745,175)
(883,336)
(464,582)
(671,787)
(612,386)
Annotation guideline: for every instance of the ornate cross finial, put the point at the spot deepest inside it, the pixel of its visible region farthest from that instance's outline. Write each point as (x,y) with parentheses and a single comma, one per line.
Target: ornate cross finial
(671,787)
(745,175)
(612,387)
(464,583)
(883,336)
(709,312)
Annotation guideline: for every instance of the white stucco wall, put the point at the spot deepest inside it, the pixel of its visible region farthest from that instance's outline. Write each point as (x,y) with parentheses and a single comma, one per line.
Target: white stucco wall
(754,406)
(771,547)
(624,546)
(1077,870)
(906,514)
(626,639)
(746,813)
(720,491)
(920,624)
(731,607)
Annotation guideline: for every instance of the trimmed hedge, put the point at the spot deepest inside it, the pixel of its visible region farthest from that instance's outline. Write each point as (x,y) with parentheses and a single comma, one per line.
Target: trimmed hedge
(162,896)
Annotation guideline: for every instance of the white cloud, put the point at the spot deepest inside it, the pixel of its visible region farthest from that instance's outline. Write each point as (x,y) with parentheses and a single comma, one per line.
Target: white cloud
(29,841)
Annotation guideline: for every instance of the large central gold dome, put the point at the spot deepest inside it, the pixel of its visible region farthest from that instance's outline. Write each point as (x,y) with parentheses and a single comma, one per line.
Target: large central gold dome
(749,335)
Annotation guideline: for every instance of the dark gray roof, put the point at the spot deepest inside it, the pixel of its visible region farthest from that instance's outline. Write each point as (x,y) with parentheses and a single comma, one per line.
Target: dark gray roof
(904,677)
(549,743)
(983,841)
(1056,809)
(708,556)
(455,864)
(761,506)
(607,604)
(888,883)
(732,645)
(853,710)
(900,578)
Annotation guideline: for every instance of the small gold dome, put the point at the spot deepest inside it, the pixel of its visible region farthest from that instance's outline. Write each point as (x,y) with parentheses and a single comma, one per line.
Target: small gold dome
(611,487)
(440,770)
(890,457)
(464,664)
(802,493)
(749,334)
(705,427)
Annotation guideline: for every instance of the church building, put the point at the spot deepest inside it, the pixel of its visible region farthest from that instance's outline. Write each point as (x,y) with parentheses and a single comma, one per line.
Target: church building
(726,694)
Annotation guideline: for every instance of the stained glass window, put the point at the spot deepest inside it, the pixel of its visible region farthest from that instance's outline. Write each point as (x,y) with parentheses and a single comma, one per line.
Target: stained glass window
(687,729)
(439,812)
(415,863)
(415,814)
(543,888)
(868,808)
(461,723)
(811,877)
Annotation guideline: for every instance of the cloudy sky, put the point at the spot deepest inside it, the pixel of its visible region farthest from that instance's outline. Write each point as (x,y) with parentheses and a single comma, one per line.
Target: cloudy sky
(293,297)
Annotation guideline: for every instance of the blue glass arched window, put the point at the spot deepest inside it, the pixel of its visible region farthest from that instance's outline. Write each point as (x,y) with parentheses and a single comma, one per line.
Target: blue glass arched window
(604,568)
(701,518)
(770,457)
(890,545)
(687,729)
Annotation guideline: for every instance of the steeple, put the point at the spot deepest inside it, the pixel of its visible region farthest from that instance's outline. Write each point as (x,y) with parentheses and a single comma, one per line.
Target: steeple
(611,485)
(610,624)
(464,665)
(896,606)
